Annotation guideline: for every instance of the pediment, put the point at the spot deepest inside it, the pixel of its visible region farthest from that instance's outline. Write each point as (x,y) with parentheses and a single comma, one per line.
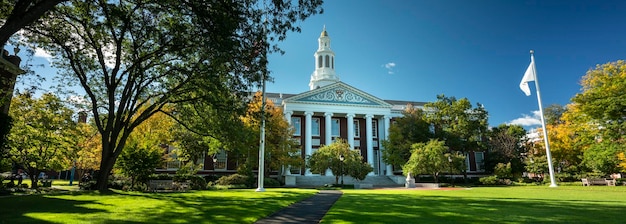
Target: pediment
(338,93)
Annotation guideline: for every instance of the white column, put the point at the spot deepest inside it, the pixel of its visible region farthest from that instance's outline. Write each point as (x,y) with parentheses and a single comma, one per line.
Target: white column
(328,117)
(386,134)
(368,138)
(350,130)
(307,137)
(288,118)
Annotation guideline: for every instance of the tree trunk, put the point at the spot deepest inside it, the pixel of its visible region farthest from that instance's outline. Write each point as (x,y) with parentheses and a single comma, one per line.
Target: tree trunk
(103,176)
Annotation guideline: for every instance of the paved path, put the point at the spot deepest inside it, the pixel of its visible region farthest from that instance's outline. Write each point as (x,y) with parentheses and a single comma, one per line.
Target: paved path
(310,210)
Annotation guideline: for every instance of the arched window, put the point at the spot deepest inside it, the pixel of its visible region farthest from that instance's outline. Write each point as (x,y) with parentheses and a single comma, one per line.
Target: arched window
(327,63)
(319,61)
(333,62)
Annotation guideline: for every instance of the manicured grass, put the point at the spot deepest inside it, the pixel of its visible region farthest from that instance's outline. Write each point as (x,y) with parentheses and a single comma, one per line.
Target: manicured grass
(228,206)
(528,204)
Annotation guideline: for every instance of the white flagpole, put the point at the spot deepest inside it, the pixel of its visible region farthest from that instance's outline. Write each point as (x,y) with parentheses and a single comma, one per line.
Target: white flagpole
(543,124)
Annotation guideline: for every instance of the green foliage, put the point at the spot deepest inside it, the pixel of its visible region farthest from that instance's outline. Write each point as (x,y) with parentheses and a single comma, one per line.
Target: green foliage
(138,162)
(602,99)
(537,164)
(603,157)
(503,170)
(506,145)
(405,131)
(153,54)
(456,122)
(490,180)
(44,135)
(328,157)
(427,158)
(271,182)
(195,182)
(234,180)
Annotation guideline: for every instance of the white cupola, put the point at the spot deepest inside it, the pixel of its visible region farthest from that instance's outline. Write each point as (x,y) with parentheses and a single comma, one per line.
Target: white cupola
(324,73)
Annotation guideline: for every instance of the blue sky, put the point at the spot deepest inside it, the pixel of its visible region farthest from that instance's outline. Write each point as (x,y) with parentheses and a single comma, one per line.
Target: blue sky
(415,50)
(474,49)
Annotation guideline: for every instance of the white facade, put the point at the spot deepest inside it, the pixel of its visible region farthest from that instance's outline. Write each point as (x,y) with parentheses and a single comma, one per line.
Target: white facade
(332,109)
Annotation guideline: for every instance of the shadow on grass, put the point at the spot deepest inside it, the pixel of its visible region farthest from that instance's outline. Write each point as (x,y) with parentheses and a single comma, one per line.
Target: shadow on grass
(17,209)
(412,208)
(219,206)
(231,206)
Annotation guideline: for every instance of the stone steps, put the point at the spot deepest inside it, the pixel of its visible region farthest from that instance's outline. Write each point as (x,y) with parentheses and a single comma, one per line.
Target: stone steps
(316,181)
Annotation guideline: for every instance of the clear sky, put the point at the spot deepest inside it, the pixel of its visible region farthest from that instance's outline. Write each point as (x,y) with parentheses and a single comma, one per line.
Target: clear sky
(415,50)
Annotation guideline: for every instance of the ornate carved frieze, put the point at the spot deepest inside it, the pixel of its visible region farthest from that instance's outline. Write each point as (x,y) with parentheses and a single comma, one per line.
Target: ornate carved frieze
(339,95)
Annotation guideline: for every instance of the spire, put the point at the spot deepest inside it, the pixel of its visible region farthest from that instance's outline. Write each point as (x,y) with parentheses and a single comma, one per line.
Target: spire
(324,73)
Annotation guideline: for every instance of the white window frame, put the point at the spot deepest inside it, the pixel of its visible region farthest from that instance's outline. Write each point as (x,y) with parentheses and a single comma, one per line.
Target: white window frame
(315,126)
(296,125)
(357,129)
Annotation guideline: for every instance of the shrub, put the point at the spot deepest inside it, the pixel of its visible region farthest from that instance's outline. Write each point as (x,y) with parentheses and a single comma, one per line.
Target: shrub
(489,180)
(503,170)
(271,182)
(195,182)
(87,185)
(162,176)
(235,179)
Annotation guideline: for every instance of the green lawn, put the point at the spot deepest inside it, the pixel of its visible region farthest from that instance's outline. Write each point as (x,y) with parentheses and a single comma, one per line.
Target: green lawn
(228,206)
(530,204)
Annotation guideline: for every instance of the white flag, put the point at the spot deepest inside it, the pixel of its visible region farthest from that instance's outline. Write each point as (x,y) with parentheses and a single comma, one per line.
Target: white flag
(529,76)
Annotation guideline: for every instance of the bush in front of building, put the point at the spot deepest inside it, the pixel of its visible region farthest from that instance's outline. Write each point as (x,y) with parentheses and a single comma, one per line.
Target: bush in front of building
(271,182)
(195,182)
(235,180)
(494,180)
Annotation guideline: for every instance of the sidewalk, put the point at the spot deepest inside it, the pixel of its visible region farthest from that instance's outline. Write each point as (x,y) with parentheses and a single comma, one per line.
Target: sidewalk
(310,210)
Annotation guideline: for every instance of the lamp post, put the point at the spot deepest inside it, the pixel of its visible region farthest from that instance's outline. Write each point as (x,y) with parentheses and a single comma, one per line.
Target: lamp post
(341,158)
(214,162)
(451,177)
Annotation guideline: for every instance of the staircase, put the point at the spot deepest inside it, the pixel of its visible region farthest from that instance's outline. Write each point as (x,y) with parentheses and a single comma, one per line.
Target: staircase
(317,181)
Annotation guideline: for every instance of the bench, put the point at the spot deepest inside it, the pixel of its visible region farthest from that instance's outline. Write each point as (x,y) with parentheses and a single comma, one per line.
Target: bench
(589,182)
(156,185)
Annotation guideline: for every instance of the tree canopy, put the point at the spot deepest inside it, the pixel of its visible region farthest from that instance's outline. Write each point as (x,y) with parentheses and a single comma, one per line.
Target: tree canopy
(407,130)
(602,98)
(329,157)
(44,136)
(128,55)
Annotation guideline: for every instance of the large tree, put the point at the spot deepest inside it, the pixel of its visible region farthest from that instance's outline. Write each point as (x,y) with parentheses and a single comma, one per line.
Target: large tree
(44,136)
(280,149)
(128,55)
(407,130)
(602,99)
(329,157)
(461,126)
(17,14)
(507,144)
(432,157)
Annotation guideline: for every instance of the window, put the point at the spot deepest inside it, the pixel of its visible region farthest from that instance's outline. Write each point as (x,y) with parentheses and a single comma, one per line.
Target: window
(319,61)
(374,129)
(295,123)
(357,130)
(332,62)
(221,158)
(480,161)
(327,64)
(335,127)
(315,128)
(173,163)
